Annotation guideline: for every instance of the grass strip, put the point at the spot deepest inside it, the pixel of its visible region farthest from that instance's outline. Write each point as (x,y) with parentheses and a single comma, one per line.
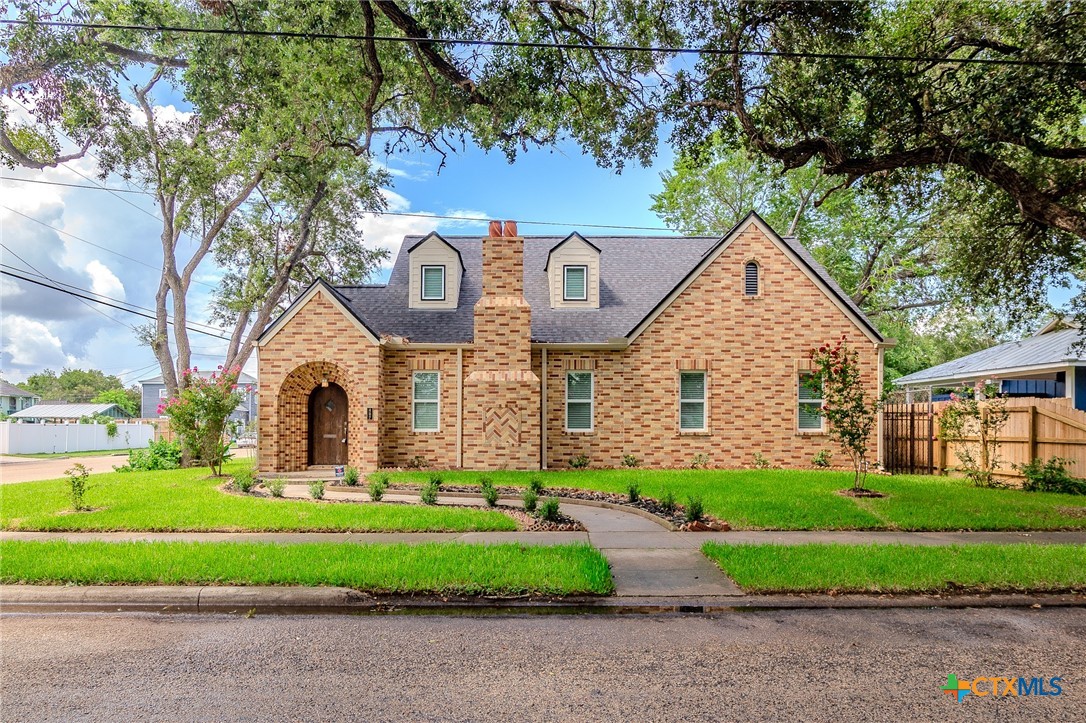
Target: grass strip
(757,499)
(436,568)
(901,568)
(187,500)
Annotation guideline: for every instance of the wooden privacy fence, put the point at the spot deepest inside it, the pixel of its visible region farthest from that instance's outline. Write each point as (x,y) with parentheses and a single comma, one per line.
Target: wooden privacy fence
(1035,428)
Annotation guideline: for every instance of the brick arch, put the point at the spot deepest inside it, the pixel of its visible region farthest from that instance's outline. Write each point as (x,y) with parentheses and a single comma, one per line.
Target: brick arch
(293,409)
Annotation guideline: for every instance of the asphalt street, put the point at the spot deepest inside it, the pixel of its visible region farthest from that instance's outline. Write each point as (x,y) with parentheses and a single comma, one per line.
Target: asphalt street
(780,665)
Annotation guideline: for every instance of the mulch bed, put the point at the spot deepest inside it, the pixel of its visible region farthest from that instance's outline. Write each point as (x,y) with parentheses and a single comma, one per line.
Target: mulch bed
(851,492)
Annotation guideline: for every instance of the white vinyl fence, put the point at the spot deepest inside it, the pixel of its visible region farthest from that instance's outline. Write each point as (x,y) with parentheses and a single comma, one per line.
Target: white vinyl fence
(70,437)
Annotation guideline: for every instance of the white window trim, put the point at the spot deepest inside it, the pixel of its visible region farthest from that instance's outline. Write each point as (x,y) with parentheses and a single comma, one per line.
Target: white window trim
(704,401)
(415,401)
(591,401)
(757,278)
(565,273)
(422,282)
(821,420)
(162,393)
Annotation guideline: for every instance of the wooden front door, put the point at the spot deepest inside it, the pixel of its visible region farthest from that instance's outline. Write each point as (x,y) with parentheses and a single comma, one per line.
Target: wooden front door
(328,425)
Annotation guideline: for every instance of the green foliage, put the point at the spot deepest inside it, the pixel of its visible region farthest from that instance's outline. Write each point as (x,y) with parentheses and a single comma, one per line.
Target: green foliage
(1050,476)
(633,493)
(77,485)
(244,480)
(535,484)
(316,490)
(126,399)
(83,386)
(378,485)
(822,458)
(695,509)
(849,409)
(198,415)
(699,461)
(351,476)
(628,460)
(383,477)
(428,495)
(549,510)
(579,461)
(667,502)
(435,479)
(159,455)
(111,429)
(275,487)
(972,423)
(531,500)
(761,461)
(490,492)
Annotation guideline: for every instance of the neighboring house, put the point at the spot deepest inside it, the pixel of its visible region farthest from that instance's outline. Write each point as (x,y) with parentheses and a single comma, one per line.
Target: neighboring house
(524,352)
(1045,365)
(68,412)
(153,393)
(13,399)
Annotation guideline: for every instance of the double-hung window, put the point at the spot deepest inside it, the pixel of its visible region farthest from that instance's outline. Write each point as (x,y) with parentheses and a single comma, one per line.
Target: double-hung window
(574,283)
(810,403)
(425,411)
(579,401)
(433,283)
(692,401)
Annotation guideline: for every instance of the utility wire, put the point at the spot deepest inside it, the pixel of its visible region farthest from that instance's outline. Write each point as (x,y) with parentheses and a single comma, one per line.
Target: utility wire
(76,185)
(5,272)
(308,35)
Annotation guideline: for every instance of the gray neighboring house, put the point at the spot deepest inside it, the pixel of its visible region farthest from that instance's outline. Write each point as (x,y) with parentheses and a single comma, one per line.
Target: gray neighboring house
(1047,366)
(64,412)
(153,393)
(13,399)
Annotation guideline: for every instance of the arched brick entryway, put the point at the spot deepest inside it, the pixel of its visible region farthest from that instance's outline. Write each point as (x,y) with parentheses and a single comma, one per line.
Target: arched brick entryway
(293,412)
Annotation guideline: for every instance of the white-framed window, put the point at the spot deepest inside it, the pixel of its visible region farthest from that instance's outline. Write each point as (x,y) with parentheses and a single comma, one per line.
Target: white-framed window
(750,279)
(162,393)
(433,283)
(810,403)
(425,404)
(692,391)
(574,283)
(579,402)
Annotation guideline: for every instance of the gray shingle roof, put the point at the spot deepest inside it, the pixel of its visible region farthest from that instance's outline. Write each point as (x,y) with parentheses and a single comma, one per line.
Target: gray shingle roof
(62,411)
(10,390)
(1053,348)
(636,274)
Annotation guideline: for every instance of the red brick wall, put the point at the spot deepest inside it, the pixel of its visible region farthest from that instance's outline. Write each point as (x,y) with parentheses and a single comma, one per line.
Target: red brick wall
(399,444)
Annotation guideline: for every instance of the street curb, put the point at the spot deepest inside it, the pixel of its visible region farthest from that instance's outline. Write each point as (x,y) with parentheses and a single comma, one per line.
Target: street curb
(338,601)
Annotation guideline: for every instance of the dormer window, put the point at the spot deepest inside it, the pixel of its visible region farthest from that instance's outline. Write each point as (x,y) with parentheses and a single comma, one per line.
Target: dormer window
(750,279)
(575,283)
(433,283)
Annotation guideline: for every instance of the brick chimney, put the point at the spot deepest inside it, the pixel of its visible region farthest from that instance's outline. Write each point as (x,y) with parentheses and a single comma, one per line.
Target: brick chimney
(501,392)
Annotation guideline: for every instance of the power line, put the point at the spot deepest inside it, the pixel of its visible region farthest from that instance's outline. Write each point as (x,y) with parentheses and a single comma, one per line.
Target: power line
(76,185)
(5,272)
(307,35)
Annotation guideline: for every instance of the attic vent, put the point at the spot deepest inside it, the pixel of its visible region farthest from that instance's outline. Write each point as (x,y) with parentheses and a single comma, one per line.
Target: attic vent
(750,279)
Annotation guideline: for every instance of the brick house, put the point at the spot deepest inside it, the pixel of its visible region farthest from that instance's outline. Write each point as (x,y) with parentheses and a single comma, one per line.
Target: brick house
(520,353)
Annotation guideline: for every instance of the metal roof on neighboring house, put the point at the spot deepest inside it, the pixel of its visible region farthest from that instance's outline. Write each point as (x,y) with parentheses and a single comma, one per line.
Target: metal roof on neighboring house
(1050,349)
(243,378)
(10,390)
(637,273)
(63,411)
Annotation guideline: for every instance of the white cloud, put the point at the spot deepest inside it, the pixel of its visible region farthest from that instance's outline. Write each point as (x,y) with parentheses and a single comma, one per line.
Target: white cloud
(29,343)
(103,281)
(387,232)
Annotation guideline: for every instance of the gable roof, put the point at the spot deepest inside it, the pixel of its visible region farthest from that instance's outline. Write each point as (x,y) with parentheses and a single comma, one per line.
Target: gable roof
(638,274)
(65,411)
(1047,349)
(10,390)
(337,299)
(427,237)
(563,242)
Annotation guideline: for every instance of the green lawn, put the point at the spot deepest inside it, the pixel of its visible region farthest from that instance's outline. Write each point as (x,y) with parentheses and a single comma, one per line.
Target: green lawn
(188,500)
(901,568)
(439,568)
(807,499)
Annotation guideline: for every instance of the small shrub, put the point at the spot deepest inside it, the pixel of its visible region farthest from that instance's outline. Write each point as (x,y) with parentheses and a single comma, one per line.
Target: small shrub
(316,490)
(377,488)
(700,461)
(1050,476)
(428,495)
(536,485)
(490,492)
(382,477)
(351,476)
(761,461)
(531,499)
(158,455)
(243,480)
(667,502)
(111,429)
(633,493)
(822,458)
(417,462)
(695,509)
(77,485)
(628,460)
(579,462)
(275,487)
(549,510)
(435,479)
